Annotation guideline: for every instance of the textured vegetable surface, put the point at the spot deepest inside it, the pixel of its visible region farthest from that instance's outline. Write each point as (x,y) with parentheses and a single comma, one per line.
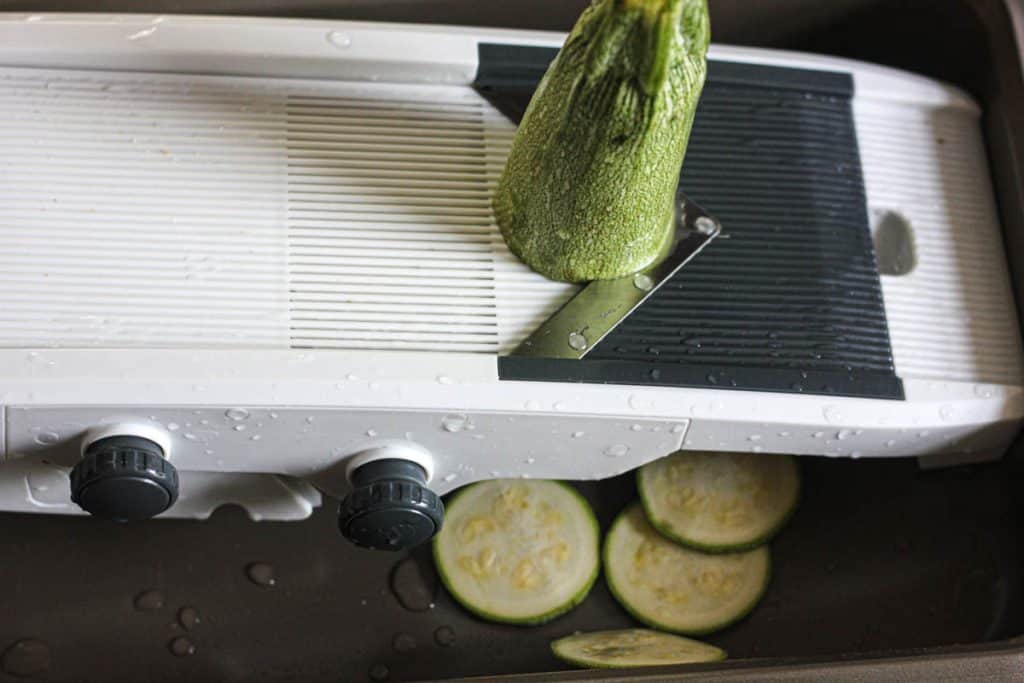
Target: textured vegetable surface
(518,551)
(719,502)
(632,647)
(589,188)
(676,589)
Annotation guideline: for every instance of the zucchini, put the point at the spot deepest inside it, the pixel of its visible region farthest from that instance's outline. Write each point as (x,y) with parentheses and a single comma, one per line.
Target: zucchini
(675,589)
(719,502)
(632,647)
(520,552)
(589,187)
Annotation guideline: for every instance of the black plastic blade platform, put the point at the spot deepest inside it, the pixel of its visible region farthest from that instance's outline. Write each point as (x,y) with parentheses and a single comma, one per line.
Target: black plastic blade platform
(791,300)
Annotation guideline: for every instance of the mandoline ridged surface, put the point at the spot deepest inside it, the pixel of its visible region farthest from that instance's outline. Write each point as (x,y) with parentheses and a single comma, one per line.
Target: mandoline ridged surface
(163,210)
(140,211)
(794,288)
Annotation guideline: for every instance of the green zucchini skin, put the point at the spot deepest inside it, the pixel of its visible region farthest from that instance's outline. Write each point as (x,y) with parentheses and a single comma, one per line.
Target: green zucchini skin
(588,191)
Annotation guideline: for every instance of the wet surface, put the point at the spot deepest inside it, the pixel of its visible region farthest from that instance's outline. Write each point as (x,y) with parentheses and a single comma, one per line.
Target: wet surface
(261,574)
(181,647)
(879,556)
(188,618)
(26,658)
(149,600)
(414,581)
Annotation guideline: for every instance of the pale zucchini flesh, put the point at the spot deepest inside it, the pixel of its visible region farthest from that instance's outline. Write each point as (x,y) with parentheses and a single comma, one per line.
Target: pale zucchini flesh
(719,502)
(632,647)
(518,551)
(676,589)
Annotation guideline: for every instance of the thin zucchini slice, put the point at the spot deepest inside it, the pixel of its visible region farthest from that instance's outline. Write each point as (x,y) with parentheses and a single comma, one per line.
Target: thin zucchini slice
(632,647)
(719,502)
(677,589)
(520,552)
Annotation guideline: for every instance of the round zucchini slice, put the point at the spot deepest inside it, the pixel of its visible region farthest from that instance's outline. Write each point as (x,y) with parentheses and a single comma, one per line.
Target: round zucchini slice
(677,589)
(719,502)
(519,552)
(632,647)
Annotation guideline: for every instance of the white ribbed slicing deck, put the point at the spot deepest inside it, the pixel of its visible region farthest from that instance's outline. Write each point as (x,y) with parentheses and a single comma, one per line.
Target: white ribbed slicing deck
(145,210)
(149,210)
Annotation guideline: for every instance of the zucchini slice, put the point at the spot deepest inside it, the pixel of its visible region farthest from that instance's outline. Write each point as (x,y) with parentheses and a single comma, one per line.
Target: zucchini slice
(632,647)
(520,552)
(719,502)
(676,589)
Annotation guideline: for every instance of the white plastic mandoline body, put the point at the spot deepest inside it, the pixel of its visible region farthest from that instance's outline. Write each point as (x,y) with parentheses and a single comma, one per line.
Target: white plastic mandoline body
(272,241)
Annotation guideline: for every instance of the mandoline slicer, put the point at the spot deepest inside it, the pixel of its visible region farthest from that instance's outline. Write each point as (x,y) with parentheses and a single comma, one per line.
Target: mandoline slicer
(248,260)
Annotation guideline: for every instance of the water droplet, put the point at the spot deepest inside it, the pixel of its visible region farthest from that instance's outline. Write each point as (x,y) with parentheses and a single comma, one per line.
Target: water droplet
(444,379)
(204,422)
(983,390)
(678,429)
(530,461)
(577,435)
(414,583)
(339,39)
(784,434)
(796,386)
(208,451)
(379,672)
(371,432)
(756,449)
(712,379)
(558,405)
(855,454)
(173,426)
(577,341)
(403,642)
(946,413)
(236,414)
(255,437)
(181,646)
(239,428)
(637,428)
(26,658)
(190,436)
(47,438)
(643,282)
(444,636)
(817,435)
(144,33)
(844,434)
(188,617)
(454,423)
(450,477)
(890,443)
(923,434)
(532,405)
(636,402)
(704,225)
(351,377)
(149,601)
(754,437)
(309,419)
(616,450)
(832,414)
(273,416)
(261,574)
(655,374)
